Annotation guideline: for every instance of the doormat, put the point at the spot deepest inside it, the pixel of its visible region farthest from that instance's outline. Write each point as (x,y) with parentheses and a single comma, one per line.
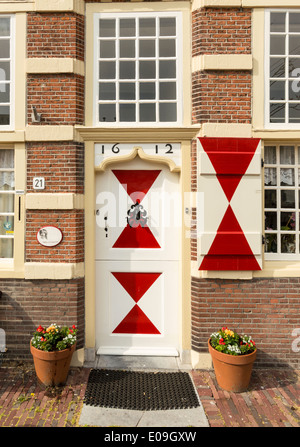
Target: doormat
(136,390)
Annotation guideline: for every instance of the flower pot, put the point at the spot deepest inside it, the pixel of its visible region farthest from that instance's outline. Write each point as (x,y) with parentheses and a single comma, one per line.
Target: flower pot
(233,372)
(52,367)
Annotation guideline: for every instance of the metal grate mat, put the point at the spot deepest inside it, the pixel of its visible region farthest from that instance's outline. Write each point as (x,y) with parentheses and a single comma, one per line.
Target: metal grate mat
(134,390)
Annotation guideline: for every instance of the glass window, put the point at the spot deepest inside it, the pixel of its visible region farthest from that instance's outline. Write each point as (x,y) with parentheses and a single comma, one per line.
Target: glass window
(6,71)
(283,59)
(7,198)
(138,68)
(282,201)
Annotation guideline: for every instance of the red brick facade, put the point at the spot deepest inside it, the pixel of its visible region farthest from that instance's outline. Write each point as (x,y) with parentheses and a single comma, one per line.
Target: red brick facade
(26,304)
(267,309)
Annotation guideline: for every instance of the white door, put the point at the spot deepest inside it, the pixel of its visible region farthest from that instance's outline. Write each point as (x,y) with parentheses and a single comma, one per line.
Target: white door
(138,228)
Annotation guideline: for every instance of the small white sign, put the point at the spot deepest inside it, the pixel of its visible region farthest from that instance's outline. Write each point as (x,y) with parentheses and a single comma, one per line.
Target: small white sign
(49,236)
(38,183)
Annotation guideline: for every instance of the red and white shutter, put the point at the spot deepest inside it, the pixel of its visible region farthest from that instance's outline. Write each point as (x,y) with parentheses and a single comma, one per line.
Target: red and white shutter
(229,204)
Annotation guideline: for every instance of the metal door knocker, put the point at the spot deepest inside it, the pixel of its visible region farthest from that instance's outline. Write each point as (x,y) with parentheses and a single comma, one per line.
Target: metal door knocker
(137,215)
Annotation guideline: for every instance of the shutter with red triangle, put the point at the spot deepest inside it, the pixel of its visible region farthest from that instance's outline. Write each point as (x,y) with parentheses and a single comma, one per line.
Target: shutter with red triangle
(229,211)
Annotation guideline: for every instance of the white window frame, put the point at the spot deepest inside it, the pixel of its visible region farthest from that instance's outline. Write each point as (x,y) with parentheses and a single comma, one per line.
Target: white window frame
(178,79)
(269,256)
(268,124)
(12,73)
(9,261)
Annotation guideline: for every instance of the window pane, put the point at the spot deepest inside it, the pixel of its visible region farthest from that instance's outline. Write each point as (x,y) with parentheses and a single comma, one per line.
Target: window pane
(127,112)
(277,90)
(4,26)
(271,243)
(107,112)
(6,158)
(294,22)
(167,90)
(147,112)
(277,67)
(6,225)
(167,69)
(287,155)
(4,92)
(270,177)
(107,70)
(287,221)
(127,48)
(277,113)
(167,112)
(167,26)
(287,198)
(107,48)
(107,27)
(270,198)
(270,220)
(167,48)
(294,113)
(127,27)
(4,48)
(4,71)
(294,90)
(294,45)
(147,69)
(7,181)
(127,90)
(147,48)
(147,90)
(107,91)
(6,248)
(147,27)
(4,115)
(277,45)
(127,70)
(294,67)
(270,155)
(287,177)
(278,22)
(7,203)
(288,243)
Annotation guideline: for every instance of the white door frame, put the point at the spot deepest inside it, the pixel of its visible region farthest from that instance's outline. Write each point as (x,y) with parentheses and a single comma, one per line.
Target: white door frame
(92,136)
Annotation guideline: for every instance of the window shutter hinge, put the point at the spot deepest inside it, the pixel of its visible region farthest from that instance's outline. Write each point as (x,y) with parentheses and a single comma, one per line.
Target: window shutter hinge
(263,240)
(262,163)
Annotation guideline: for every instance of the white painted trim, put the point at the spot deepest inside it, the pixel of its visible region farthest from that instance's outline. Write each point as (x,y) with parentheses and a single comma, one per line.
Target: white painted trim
(54,65)
(166,352)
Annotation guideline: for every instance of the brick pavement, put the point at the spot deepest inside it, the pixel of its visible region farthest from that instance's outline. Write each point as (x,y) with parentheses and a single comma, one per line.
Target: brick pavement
(273,399)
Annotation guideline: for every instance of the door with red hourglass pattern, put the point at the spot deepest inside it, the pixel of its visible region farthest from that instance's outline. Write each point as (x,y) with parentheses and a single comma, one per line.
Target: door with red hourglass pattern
(138,228)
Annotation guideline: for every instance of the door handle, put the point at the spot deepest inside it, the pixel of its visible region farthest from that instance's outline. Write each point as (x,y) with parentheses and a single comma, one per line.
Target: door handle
(106,227)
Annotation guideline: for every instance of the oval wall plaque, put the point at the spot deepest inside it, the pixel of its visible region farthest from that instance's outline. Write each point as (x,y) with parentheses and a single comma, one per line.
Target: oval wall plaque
(49,236)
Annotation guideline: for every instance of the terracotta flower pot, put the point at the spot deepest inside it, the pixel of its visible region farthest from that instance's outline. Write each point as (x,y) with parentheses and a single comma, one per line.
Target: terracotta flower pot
(233,372)
(52,368)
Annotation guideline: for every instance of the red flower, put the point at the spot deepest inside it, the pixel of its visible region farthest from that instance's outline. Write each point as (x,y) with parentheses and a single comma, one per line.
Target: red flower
(43,339)
(73,327)
(40,329)
(221,341)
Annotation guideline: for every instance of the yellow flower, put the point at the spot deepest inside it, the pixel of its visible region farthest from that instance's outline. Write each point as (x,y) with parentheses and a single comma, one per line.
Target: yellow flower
(51,329)
(229,332)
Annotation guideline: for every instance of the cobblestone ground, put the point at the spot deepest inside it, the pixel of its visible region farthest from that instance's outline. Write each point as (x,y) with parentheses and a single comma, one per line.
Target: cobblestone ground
(273,399)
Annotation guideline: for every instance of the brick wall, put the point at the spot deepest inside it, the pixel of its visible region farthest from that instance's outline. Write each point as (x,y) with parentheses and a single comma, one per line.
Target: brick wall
(60,163)
(71,223)
(55,35)
(221,31)
(221,96)
(58,97)
(25,305)
(266,309)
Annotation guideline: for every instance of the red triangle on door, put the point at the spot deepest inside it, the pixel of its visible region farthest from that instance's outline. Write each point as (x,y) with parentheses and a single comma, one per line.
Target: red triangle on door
(136,182)
(136,284)
(229,184)
(136,237)
(136,322)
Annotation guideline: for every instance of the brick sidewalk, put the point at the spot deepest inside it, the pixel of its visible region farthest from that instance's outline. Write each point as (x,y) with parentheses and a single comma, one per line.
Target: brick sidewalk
(273,399)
